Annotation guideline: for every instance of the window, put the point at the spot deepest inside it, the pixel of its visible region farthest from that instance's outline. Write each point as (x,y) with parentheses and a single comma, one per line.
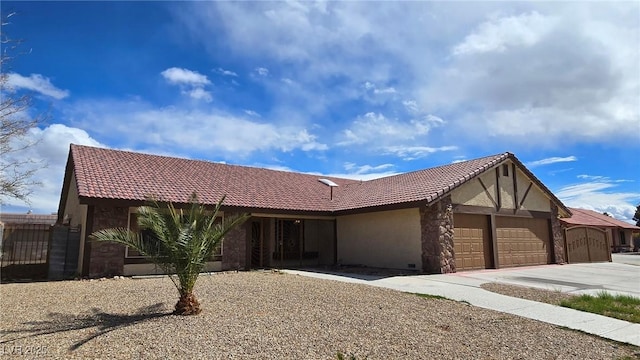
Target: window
(505,170)
(148,236)
(623,239)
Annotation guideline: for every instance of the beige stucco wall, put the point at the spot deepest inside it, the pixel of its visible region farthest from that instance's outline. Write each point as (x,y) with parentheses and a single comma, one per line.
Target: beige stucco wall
(388,239)
(472,192)
(151,269)
(77,215)
(506,186)
(536,200)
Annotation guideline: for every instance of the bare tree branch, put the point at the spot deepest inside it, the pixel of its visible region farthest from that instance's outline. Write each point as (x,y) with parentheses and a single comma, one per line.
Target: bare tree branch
(16,172)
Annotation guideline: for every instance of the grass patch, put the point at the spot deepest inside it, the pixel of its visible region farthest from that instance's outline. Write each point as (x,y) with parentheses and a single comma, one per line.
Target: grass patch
(621,307)
(428,296)
(438,297)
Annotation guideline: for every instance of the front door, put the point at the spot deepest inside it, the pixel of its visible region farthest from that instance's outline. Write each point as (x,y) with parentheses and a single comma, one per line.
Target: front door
(259,244)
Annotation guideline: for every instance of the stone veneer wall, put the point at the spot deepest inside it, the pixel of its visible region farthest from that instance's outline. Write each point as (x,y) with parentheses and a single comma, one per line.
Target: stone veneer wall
(234,248)
(107,259)
(436,222)
(558,235)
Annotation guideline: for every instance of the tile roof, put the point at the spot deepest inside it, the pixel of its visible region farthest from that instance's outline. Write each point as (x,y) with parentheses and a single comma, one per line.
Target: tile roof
(423,185)
(114,174)
(593,218)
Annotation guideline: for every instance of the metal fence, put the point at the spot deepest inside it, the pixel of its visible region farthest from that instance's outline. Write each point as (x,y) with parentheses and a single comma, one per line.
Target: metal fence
(24,251)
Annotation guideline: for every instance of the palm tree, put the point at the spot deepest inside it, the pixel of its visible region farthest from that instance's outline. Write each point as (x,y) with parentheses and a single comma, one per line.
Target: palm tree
(180,242)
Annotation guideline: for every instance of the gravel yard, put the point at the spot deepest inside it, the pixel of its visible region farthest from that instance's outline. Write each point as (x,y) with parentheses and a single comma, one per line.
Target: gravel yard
(265,315)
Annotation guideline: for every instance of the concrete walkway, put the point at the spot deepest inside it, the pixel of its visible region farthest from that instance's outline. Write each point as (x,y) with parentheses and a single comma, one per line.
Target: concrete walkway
(465,286)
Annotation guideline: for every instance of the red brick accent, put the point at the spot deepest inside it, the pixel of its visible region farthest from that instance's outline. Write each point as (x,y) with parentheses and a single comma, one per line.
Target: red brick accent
(234,250)
(107,259)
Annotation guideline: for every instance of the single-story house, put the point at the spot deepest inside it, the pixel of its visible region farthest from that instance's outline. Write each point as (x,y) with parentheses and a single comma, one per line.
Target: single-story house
(490,212)
(619,232)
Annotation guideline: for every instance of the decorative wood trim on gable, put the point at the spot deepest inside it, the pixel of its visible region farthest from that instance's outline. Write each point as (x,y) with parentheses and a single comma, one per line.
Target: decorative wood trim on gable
(498,197)
(486,191)
(516,204)
(524,197)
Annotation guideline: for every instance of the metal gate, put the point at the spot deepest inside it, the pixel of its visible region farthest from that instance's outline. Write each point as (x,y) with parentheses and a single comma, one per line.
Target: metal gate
(587,244)
(24,251)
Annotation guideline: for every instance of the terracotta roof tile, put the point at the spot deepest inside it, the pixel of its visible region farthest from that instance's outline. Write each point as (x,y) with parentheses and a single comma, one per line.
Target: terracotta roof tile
(593,218)
(115,174)
(423,185)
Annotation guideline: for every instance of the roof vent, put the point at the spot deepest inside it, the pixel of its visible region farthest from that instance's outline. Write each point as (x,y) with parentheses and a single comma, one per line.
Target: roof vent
(328,182)
(331,185)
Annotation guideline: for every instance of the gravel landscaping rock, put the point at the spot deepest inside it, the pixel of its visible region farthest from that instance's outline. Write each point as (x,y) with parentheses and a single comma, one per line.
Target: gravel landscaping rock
(265,315)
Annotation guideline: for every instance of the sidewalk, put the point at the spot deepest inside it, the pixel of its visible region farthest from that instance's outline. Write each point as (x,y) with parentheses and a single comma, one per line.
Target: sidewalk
(463,288)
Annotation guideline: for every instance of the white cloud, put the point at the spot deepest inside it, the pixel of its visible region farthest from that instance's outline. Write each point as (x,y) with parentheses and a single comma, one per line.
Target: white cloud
(548,77)
(37,83)
(180,76)
(528,74)
(51,148)
(261,71)
(376,90)
(191,82)
(375,127)
(251,113)
(199,94)
(600,195)
(500,33)
(551,160)
(224,72)
(354,169)
(408,153)
(140,125)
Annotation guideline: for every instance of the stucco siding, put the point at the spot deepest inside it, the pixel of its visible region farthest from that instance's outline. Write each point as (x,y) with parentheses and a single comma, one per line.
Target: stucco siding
(535,199)
(388,239)
(506,186)
(472,192)
(76,214)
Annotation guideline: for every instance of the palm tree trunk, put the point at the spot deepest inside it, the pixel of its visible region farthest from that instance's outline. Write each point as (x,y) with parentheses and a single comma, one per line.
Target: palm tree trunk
(187,305)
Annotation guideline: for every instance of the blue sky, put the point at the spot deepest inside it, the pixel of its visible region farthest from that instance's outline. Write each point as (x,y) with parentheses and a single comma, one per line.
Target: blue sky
(354,89)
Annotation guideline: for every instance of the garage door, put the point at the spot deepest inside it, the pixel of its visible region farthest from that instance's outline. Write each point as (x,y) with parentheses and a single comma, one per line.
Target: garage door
(522,241)
(471,242)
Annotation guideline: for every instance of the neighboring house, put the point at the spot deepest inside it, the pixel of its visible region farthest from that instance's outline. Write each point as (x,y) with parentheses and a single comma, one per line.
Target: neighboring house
(490,212)
(619,232)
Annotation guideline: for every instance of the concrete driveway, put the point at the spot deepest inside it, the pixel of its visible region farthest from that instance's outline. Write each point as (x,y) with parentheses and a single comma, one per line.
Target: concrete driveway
(615,278)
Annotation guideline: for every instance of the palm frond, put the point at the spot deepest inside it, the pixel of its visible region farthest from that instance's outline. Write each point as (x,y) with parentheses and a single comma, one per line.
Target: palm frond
(182,241)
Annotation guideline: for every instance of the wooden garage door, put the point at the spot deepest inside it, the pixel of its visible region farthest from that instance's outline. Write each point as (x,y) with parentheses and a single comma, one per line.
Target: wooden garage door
(471,242)
(522,241)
